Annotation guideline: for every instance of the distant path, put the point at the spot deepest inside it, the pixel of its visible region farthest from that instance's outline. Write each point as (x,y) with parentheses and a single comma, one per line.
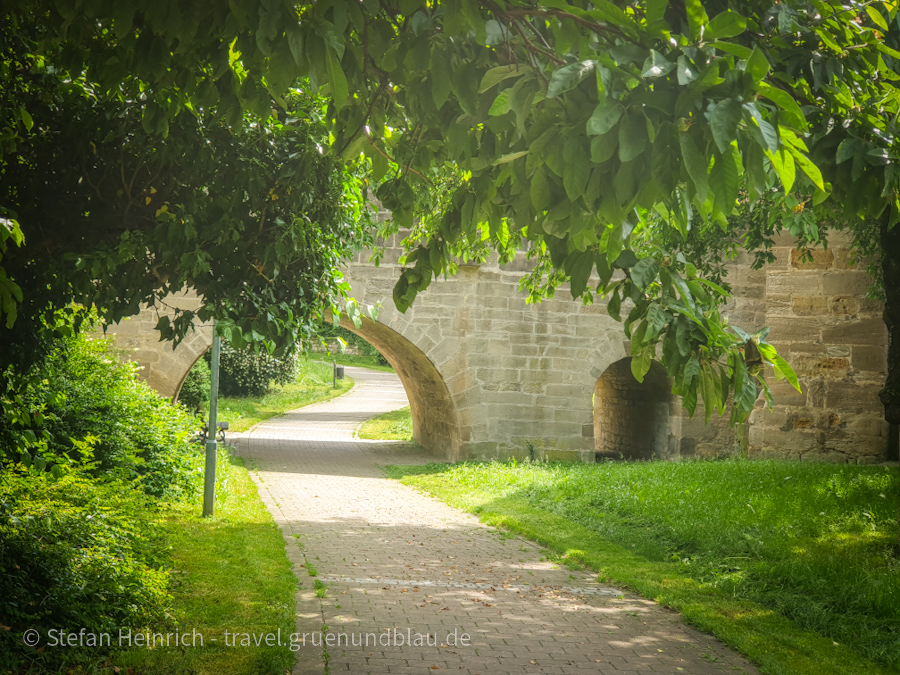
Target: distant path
(394,559)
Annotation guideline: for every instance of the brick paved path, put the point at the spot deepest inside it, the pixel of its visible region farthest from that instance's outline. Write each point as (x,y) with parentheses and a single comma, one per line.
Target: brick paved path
(396,563)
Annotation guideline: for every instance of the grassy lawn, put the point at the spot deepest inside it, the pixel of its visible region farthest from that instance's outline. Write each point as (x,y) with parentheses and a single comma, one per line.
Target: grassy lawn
(787,562)
(230,573)
(313,384)
(362,360)
(391,426)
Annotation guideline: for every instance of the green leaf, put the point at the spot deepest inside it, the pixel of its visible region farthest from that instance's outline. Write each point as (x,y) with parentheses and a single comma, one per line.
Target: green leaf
(510,157)
(440,77)
(540,191)
(604,118)
(783,162)
(786,102)
(339,88)
(577,168)
(26,118)
(697,17)
(496,75)
(569,77)
(723,122)
(640,364)
(724,180)
(784,369)
(632,137)
(614,305)
(696,163)
(581,272)
(725,25)
(877,18)
(644,272)
(810,169)
(500,106)
(656,65)
(686,71)
(757,65)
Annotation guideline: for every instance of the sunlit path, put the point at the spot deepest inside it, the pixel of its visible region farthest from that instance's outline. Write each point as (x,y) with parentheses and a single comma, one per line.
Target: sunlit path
(399,566)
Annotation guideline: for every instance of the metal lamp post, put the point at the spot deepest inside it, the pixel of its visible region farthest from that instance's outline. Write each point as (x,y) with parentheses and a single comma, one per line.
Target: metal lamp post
(209,476)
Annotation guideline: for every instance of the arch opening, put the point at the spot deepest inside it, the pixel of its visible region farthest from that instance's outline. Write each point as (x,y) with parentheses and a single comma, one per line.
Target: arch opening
(435,425)
(631,418)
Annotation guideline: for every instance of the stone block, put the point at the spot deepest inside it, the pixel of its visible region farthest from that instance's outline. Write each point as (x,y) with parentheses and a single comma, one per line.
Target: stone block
(825,457)
(815,259)
(869,358)
(809,305)
(859,332)
(847,282)
(844,260)
(849,396)
(786,395)
(786,330)
(844,305)
(803,283)
(779,303)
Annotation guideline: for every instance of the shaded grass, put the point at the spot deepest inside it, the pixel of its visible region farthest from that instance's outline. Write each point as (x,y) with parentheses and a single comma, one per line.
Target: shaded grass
(395,425)
(231,573)
(788,562)
(361,360)
(312,385)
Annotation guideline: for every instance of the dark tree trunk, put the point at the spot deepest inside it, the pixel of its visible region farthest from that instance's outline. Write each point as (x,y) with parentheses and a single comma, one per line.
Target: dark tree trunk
(890,264)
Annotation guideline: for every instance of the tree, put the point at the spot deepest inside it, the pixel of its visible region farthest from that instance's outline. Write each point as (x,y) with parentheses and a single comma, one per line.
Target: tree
(107,202)
(583,131)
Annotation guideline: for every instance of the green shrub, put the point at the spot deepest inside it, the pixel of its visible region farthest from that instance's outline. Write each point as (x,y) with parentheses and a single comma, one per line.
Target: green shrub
(75,552)
(194,393)
(330,332)
(245,373)
(101,417)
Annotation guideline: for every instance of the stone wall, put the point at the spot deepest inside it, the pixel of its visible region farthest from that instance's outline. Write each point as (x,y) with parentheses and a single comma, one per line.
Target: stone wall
(836,341)
(491,376)
(163,367)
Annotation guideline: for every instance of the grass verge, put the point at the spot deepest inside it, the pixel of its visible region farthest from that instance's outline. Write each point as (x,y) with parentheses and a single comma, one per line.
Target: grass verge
(390,426)
(312,385)
(787,562)
(230,573)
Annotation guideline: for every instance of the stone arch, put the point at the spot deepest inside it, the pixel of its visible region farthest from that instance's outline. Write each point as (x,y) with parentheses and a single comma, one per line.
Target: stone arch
(435,424)
(632,419)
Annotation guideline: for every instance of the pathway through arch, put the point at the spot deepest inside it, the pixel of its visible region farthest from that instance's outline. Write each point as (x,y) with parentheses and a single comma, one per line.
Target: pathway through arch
(399,564)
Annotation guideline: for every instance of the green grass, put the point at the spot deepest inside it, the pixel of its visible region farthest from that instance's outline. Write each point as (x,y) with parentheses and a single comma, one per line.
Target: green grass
(312,385)
(230,573)
(361,360)
(390,426)
(788,562)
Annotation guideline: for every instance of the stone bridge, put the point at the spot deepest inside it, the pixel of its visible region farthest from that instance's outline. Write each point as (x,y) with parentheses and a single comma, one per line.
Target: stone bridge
(488,375)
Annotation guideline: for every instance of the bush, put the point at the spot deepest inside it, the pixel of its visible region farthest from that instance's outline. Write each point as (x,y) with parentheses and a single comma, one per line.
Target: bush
(102,418)
(75,552)
(194,393)
(330,332)
(244,373)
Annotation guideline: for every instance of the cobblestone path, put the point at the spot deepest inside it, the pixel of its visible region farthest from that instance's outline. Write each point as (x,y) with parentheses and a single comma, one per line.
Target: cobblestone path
(398,567)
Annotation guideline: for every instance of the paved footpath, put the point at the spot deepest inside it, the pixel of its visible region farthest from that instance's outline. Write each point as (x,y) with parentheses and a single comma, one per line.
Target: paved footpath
(401,567)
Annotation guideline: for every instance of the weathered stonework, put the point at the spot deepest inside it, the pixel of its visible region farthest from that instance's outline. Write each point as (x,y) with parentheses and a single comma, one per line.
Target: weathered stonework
(162,367)
(491,376)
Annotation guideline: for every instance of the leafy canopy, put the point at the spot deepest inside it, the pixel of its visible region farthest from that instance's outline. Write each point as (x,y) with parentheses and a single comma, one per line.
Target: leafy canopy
(578,131)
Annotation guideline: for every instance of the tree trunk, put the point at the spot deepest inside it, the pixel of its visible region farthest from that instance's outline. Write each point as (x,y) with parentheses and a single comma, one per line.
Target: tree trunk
(890,264)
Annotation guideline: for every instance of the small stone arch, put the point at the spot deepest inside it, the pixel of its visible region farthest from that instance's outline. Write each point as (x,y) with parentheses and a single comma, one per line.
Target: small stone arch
(632,419)
(435,424)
